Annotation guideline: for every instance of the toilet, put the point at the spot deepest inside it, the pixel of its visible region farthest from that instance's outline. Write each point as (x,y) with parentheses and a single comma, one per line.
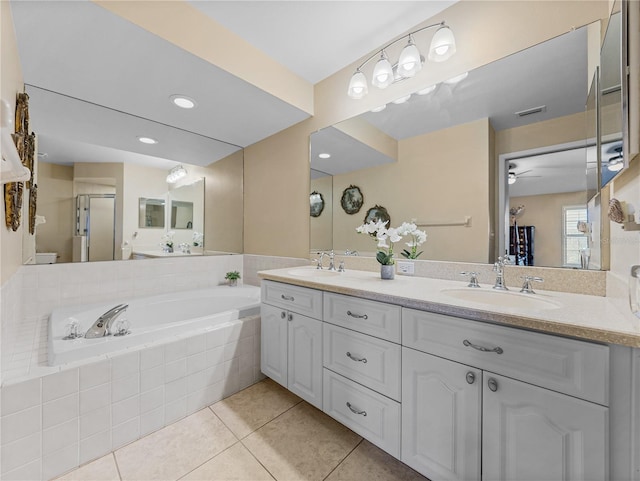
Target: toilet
(46,257)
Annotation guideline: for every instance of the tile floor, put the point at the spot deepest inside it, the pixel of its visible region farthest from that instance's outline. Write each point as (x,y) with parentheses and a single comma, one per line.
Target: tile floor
(261,433)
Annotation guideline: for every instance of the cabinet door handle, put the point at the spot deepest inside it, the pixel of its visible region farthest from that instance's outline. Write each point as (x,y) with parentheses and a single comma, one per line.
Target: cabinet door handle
(354,410)
(493,384)
(283,315)
(289,317)
(287,298)
(357,316)
(497,350)
(357,359)
(471,377)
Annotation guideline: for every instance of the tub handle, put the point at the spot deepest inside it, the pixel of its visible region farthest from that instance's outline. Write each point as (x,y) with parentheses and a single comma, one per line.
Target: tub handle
(287,298)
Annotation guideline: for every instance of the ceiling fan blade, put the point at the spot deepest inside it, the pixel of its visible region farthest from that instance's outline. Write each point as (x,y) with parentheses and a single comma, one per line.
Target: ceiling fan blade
(523,172)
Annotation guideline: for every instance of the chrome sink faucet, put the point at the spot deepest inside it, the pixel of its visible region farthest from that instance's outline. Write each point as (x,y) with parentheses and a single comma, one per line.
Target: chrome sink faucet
(102,326)
(498,268)
(332,266)
(526,287)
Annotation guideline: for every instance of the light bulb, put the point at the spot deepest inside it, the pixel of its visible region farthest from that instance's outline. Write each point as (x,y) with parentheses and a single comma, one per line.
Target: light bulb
(443,45)
(358,86)
(512,178)
(382,72)
(147,140)
(410,62)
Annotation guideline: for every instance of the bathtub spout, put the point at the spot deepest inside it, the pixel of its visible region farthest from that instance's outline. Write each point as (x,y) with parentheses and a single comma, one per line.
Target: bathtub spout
(102,327)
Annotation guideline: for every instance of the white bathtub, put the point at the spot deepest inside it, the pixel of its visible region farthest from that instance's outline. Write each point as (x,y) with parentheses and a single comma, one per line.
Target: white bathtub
(151,319)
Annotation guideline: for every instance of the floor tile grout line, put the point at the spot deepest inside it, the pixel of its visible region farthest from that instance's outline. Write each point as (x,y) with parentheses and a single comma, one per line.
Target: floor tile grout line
(344,459)
(115,460)
(257,460)
(210,459)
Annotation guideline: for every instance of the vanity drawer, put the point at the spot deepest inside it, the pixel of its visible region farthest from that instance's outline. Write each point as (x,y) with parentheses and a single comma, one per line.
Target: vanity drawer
(299,299)
(569,366)
(370,361)
(370,317)
(373,416)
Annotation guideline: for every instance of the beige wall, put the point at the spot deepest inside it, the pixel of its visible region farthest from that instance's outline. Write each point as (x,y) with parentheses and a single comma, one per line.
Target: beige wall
(56,204)
(322,226)
(545,213)
(440,177)
(10,84)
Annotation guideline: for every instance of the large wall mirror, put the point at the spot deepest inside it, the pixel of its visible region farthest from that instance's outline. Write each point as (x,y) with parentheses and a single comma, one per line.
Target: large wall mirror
(105,150)
(488,163)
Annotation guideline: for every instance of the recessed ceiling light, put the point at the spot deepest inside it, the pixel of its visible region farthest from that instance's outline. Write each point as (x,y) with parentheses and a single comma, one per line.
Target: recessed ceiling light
(379,109)
(183,101)
(147,140)
(324,155)
(402,100)
(427,90)
(457,78)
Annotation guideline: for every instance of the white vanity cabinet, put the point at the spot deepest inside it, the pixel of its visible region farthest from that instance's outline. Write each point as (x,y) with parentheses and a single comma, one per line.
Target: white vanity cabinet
(453,411)
(291,339)
(362,358)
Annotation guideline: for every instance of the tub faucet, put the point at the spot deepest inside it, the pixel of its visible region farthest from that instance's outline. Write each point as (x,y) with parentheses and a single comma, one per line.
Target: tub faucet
(102,327)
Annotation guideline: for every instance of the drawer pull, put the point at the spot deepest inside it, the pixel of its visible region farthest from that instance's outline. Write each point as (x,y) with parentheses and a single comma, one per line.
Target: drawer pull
(354,410)
(287,298)
(283,315)
(357,316)
(357,359)
(289,317)
(497,350)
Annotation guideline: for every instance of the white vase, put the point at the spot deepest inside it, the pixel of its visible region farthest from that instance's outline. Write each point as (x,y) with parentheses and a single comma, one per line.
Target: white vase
(387,272)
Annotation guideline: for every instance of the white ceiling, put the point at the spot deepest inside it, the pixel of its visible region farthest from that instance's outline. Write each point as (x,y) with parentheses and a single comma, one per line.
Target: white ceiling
(85,52)
(315,39)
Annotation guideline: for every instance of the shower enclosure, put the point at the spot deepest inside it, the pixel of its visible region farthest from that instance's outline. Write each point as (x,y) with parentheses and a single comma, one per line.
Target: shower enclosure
(94,238)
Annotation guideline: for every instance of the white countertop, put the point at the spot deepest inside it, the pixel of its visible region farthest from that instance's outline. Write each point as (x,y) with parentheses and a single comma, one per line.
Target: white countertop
(592,318)
(160,253)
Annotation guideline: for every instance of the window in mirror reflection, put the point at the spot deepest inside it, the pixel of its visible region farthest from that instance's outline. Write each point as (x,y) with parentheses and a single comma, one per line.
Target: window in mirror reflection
(181,214)
(151,213)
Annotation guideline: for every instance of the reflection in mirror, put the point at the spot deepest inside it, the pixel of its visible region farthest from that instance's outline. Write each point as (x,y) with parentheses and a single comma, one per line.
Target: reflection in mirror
(151,213)
(611,115)
(321,233)
(181,215)
(447,151)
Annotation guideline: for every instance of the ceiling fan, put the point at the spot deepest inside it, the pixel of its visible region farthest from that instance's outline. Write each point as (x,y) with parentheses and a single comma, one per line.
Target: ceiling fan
(514,176)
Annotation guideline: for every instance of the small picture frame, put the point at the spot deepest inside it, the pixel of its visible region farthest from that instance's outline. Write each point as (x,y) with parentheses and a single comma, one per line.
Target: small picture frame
(316,203)
(377,213)
(352,199)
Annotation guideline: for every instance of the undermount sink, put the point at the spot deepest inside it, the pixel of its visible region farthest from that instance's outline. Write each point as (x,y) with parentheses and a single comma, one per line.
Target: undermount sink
(312,272)
(501,298)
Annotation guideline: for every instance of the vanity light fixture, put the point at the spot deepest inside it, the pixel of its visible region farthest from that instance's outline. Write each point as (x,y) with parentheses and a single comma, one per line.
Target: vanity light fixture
(147,140)
(443,46)
(401,100)
(426,90)
(183,101)
(175,174)
(457,78)
(324,155)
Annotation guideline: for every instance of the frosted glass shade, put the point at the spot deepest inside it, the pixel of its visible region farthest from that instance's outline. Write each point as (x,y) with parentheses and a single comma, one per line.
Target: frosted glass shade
(358,86)
(409,63)
(443,45)
(382,72)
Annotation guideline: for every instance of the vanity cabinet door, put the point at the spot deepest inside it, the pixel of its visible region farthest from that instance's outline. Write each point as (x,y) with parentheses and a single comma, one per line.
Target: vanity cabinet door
(441,417)
(273,343)
(305,358)
(530,433)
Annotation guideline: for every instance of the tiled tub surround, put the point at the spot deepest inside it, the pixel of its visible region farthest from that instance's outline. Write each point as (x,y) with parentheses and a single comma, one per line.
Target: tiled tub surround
(53,423)
(587,317)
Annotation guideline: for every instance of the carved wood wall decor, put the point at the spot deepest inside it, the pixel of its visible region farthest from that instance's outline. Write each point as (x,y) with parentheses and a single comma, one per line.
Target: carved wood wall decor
(25,145)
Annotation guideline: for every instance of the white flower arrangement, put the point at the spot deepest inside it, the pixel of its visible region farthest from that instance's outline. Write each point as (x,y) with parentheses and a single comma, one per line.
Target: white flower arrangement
(418,237)
(198,239)
(166,241)
(385,237)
